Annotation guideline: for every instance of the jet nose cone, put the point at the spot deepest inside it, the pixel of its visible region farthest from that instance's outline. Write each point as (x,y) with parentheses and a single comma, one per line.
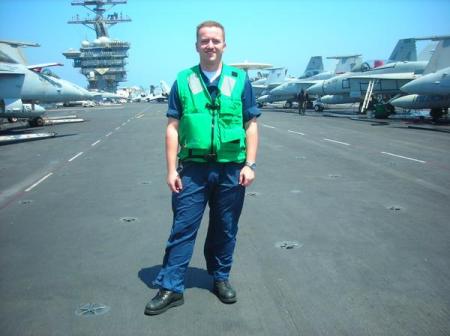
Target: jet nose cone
(315,89)
(411,87)
(263,99)
(404,102)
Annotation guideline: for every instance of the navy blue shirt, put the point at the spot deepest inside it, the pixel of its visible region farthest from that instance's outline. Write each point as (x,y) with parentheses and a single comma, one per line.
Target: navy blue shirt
(249,109)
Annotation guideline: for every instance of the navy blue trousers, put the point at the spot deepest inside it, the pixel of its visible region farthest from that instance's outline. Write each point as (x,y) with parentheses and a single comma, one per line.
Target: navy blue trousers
(215,184)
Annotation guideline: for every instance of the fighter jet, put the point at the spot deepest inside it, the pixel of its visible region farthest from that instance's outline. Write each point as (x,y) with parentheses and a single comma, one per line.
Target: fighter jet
(261,84)
(432,90)
(400,68)
(21,83)
(288,90)
(161,96)
(275,77)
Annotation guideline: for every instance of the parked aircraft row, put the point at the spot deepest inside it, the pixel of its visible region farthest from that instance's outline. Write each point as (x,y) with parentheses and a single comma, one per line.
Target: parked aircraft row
(432,90)
(404,50)
(427,81)
(290,87)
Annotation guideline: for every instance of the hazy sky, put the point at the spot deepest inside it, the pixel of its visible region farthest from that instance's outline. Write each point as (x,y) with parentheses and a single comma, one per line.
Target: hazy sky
(280,32)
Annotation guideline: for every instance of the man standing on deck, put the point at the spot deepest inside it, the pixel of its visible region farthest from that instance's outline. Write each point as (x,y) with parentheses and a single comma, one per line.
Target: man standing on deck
(301,102)
(212,128)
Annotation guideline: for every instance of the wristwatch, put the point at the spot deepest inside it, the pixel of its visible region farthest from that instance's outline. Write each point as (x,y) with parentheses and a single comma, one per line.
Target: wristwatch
(251,165)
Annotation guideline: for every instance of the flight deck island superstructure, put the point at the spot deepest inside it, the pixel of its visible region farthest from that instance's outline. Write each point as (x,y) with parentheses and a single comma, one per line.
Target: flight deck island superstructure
(103,60)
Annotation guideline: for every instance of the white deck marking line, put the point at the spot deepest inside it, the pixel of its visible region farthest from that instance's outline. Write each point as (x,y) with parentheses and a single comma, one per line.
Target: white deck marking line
(335,141)
(139,116)
(268,126)
(80,153)
(123,124)
(290,131)
(109,134)
(95,143)
(117,128)
(404,157)
(41,180)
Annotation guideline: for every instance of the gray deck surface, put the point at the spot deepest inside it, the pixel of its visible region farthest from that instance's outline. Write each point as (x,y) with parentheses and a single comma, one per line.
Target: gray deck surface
(373,231)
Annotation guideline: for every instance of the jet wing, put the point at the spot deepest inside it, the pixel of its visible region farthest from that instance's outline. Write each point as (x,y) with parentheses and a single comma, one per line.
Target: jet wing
(5,71)
(389,83)
(11,82)
(388,76)
(12,69)
(39,67)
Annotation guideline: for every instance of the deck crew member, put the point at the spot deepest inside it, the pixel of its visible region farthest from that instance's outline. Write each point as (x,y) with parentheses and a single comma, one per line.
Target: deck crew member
(212,129)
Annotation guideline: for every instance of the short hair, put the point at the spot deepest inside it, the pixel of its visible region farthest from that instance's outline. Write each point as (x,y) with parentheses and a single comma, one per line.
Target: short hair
(210,23)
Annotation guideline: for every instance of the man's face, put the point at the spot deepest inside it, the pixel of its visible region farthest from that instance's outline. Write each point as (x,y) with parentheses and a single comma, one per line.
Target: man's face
(210,45)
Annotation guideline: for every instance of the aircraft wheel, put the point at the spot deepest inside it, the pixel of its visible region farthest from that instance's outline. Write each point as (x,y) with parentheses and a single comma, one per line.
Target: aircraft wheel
(318,108)
(37,122)
(390,108)
(12,120)
(288,105)
(259,105)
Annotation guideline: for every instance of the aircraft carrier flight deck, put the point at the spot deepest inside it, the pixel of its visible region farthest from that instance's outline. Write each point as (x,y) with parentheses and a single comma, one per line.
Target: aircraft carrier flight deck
(344,232)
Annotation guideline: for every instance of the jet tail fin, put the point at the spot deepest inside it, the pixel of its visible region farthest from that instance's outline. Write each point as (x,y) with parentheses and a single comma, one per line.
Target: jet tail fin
(276,75)
(12,49)
(405,50)
(165,89)
(314,67)
(440,58)
(427,52)
(346,63)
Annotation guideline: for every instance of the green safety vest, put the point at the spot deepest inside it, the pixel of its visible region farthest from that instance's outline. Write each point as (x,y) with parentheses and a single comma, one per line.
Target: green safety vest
(211,131)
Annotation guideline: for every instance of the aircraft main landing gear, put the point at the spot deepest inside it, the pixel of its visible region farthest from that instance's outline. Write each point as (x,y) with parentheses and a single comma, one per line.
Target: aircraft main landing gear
(436,114)
(36,122)
(318,108)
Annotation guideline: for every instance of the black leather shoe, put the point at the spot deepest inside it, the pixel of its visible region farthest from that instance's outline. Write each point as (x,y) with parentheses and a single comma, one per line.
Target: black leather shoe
(163,300)
(224,291)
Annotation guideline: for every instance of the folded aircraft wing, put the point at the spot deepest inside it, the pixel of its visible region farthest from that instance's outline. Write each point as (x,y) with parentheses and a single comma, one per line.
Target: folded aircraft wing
(392,76)
(39,67)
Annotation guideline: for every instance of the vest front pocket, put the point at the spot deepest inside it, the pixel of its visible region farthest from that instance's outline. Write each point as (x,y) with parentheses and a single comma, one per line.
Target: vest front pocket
(195,131)
(232,139)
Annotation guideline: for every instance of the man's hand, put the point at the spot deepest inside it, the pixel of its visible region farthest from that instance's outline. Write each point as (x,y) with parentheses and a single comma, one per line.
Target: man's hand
(246,176)
(174,182)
